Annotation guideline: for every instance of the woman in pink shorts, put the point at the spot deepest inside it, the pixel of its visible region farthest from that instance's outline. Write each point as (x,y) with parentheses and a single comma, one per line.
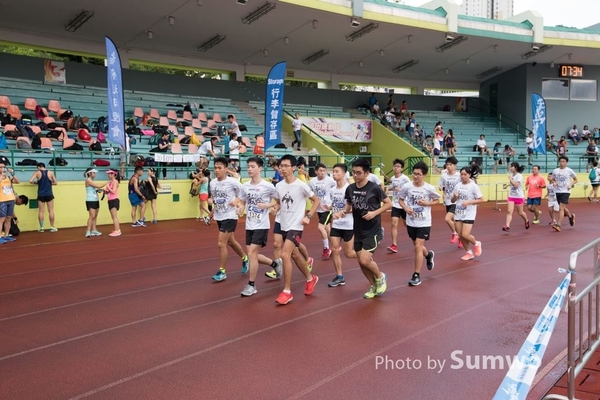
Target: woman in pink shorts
(516,196)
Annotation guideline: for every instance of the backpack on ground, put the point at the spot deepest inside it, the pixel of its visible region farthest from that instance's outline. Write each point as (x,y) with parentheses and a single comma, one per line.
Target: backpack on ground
(59,161)
(75,146)
(149,162)
(27,161)
(95,146)
(14,228)
(66,115)
(593,176)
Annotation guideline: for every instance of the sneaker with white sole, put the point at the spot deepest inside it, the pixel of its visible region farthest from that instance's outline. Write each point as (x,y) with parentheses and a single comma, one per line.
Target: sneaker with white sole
(249,290)
(220,276)
(415,280)
(430,261)
(477,250)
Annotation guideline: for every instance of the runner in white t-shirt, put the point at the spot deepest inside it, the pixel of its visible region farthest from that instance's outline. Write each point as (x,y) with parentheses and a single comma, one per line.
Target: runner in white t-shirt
(449,178)
(257,197)
(225,192)
(516,195)
(321,185)
(467,195)
(397,182)
(342,229)
(565,179)
(292,195)
(416,198)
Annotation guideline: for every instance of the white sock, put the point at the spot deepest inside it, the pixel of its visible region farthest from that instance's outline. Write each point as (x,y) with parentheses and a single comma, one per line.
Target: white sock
(325,243)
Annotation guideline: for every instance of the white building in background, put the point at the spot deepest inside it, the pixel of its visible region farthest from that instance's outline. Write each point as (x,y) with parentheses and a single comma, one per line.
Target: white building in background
(495,9)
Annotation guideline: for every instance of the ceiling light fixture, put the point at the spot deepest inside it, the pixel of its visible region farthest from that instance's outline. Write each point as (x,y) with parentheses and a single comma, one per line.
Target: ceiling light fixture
(533,53)
(312,58)
(242,2)
(552,64)
(446,70)
(468,61)
(490,71)
(360,64)
(258,13)
(570,55)
(355,23)
(381,53)
(286,40)
(404,66)
(79,20)
(171,21)
(212,42)
(314,23)
(150,35)
(451,44)
(362,32)
(495,48)
(409,38)
(265,52)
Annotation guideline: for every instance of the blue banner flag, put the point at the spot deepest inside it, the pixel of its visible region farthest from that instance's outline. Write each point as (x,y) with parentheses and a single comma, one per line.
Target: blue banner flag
(274,104)
(116,117)
(538,123)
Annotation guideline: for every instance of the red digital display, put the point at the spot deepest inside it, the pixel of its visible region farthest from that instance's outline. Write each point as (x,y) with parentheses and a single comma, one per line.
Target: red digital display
(571,71)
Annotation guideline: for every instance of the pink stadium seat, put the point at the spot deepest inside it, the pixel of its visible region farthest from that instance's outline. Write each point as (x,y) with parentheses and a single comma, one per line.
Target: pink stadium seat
(176,148)
(46,143)
(189,131)
(163,121)
(23,139)
(202,117)
(211,124)
(48,120)
(54,106)
(172,128)
(154,113)
(4,102)
(35,129)
(205,130)
(10,127)
(67,142)
(171,114)
(138,112)
(187,116)
(246,141)
(196,124)
(192,148)
(30,104)
(217,117)
(14,111)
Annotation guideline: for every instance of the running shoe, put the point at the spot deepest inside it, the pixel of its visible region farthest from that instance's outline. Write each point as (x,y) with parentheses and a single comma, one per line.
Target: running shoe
(381,284)
(468,256)
(41,230)
(415,280)
(9,239)
(96,233)
(527,224)
(429,259)
(271,274)
(371,293)
(536,221)
(88,234)
(556,227)
(326,254)
(284,298)
(392,248)
(154,221)
(115,233)
(220,276)
(572,220)
(309,263)
(454,238)
(2,241)
(142,223)
(206,220)
(245,264)
(310,285)
(249,290)
(382,233)
(506,228)
(337,281)
(477,249)
(136,224)
(53,229)
(460,245)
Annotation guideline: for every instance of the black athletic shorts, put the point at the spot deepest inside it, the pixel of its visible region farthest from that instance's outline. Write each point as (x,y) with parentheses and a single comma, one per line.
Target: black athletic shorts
(324,217)
(562,198)
(257,237)
(398,213)
(293,236)
(418,233)
(92,205)
(277,229)
(227,225)
(45,199)
(451,209)
(345,234)
(368,243)
(114,203)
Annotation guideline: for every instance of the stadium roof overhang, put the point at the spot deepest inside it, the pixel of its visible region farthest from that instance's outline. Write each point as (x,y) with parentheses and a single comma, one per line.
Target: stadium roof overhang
(398,35)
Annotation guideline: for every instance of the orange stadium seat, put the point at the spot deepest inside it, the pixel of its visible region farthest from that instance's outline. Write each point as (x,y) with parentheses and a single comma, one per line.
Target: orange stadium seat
(30,104)
(14,111)
(54,106)
(202,117)
(154,113)
(4,102)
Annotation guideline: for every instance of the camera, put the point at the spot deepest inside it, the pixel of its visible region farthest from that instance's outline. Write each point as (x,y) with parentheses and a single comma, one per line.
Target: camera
(535,47)
(355,23)
(449,37)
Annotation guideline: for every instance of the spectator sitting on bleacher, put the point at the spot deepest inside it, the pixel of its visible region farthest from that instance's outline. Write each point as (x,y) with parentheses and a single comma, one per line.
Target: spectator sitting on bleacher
(497,160)
(509,153)
(585,133)
(419,134)
(592,153)
(482,146)
(375,109)
(574,135)
(208,147)
(561,150)
(390,103)
(428,144)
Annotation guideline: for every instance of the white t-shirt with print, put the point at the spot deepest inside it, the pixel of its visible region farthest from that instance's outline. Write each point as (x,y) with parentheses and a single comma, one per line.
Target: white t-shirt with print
(337,199)
(254,194)
(563,179)
(516,192)
(470,191)
(396,186)
(321,188)
(223,193)
(447,183)
(411,194)
(297,124)
(373,178)
(234,149)
(292,198)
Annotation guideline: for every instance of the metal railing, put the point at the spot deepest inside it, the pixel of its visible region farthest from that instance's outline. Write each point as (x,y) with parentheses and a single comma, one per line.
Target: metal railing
(487,111)
(583,323)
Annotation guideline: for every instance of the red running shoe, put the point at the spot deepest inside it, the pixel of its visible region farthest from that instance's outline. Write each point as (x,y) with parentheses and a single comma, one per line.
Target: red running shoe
(326,254)
(310,285)
(454,238)
(392,248)
(284,298)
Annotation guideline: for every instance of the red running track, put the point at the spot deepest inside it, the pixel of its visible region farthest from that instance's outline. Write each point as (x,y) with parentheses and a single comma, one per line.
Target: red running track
(139,317)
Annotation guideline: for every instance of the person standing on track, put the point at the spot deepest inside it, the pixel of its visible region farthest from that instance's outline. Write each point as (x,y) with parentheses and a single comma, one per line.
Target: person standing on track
(516,197)
(321,185)
(565,179)
(397,182)
(466,196)
(534,184)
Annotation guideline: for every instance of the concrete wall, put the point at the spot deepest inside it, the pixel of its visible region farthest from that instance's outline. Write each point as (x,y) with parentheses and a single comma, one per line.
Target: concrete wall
(512,93)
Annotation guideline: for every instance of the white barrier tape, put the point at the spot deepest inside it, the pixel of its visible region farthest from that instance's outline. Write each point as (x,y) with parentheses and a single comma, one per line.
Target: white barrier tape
(518,379)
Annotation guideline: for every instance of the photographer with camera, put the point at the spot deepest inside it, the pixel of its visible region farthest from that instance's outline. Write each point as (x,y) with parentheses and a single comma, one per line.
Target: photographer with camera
(92,203)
